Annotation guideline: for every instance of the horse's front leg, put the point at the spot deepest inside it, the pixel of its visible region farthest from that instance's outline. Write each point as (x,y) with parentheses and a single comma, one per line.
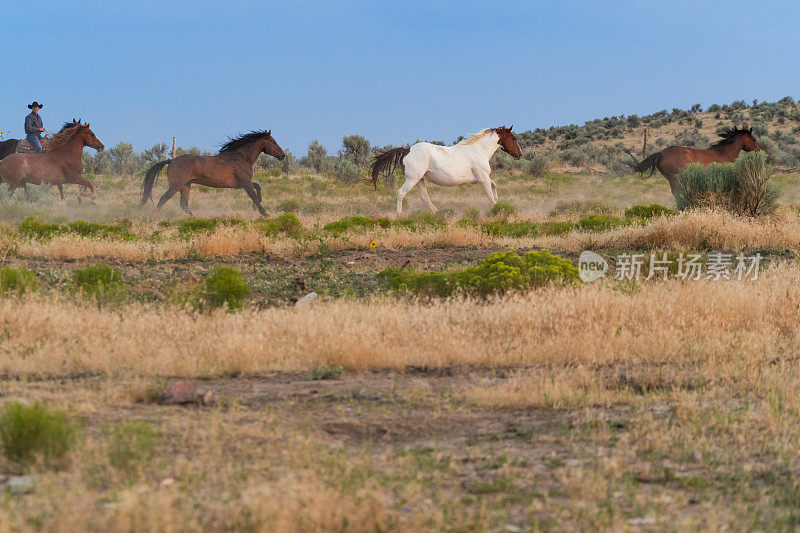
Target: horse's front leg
(255,197)
(488,184)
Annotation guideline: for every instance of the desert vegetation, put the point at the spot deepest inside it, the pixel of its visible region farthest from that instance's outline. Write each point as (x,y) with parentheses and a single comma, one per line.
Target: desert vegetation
(453,371)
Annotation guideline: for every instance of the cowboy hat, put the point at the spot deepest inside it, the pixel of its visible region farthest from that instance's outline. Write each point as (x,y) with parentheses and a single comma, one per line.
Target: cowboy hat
(35,104)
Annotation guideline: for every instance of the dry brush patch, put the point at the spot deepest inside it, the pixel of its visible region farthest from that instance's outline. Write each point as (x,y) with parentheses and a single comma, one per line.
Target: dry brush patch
(667,321)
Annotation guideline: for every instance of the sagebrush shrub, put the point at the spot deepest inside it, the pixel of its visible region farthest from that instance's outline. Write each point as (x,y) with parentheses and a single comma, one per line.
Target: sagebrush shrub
(33,227)
(191,226)
(30,434)
(286,223)
(225,285)
(599,222)
(340,226)
(101,282)
(108,231)
(741,187)
(499,273)
(647,211)
(503,209)
(17,280)
(347,171)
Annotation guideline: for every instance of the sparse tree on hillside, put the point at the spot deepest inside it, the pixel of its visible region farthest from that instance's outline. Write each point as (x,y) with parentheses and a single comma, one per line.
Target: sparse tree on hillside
(356,147)
(158,152)
(123,159)
(317,155)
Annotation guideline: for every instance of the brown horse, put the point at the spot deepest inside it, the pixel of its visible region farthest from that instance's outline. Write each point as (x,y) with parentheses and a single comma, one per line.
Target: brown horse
(671,160)
(231,168)
(60,164)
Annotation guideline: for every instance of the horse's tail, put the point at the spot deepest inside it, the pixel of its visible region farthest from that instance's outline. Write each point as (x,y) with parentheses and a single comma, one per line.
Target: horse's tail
(387,162)
(650,163)
(150,179)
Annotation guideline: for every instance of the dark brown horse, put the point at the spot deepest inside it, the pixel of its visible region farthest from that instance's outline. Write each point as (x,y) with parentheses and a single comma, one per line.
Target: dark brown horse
(60,164)
(671,160)
(231,168)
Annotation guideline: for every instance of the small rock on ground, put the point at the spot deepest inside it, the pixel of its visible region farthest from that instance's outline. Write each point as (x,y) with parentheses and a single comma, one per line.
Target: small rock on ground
(184,391)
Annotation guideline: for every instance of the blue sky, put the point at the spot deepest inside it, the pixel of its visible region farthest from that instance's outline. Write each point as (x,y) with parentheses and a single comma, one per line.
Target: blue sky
(143,71)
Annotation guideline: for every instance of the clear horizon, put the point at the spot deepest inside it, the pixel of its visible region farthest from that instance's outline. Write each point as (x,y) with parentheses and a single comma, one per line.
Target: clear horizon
(394,72)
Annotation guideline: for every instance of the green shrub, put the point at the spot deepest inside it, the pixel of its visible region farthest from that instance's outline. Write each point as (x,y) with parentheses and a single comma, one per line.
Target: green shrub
(30,434)
(37,229)
(326,372)
(101,282)
(225,285)
(536,164)
(521,228)
(555,227)
(131,444)
(741,187)
(274,172)
(287,223)
(341,226)
(498,273)
(190,226)
(647,211)
(599,222)
(590,207)
(503,209)
(347,171)
(18,281)
(93,229)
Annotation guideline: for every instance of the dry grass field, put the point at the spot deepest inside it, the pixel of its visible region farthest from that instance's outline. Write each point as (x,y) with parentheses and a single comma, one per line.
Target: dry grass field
(612,405)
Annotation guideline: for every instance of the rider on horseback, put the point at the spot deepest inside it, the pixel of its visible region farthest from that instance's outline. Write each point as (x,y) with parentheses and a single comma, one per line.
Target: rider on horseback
(34,127)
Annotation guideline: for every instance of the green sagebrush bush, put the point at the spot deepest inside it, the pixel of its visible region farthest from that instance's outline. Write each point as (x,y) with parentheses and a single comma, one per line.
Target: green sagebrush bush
(520,228)
(599,222)
(17,280)
(191,226)
(423,219)
(100,282)
(503,209)
(225,285)
(37,229)
(31,434)
(347,171)
(286,223)
(647,211)
(499,273)
(741,187)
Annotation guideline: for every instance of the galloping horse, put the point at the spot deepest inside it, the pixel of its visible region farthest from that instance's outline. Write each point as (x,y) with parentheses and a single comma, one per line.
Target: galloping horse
(671,160)
(466,162)
(60,164)
(231,168)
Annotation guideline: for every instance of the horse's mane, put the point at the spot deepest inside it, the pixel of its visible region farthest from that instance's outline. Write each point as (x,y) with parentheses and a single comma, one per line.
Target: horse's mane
(729,135)
(68,132)
(68,125)
(242,140)
(477,136)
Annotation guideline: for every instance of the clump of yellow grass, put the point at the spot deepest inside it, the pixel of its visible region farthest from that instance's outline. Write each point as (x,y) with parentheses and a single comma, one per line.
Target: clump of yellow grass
(593,325)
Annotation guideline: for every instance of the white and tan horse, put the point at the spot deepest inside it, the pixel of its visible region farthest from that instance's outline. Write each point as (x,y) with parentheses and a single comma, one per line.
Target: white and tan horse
(466,162)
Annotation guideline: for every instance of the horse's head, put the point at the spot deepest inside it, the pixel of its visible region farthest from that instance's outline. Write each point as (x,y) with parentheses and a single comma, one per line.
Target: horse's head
(508,142)
(271,147)
(89,138)
(749,142)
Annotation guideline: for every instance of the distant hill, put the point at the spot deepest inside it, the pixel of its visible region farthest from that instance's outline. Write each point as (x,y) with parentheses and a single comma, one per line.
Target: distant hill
(597,146)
